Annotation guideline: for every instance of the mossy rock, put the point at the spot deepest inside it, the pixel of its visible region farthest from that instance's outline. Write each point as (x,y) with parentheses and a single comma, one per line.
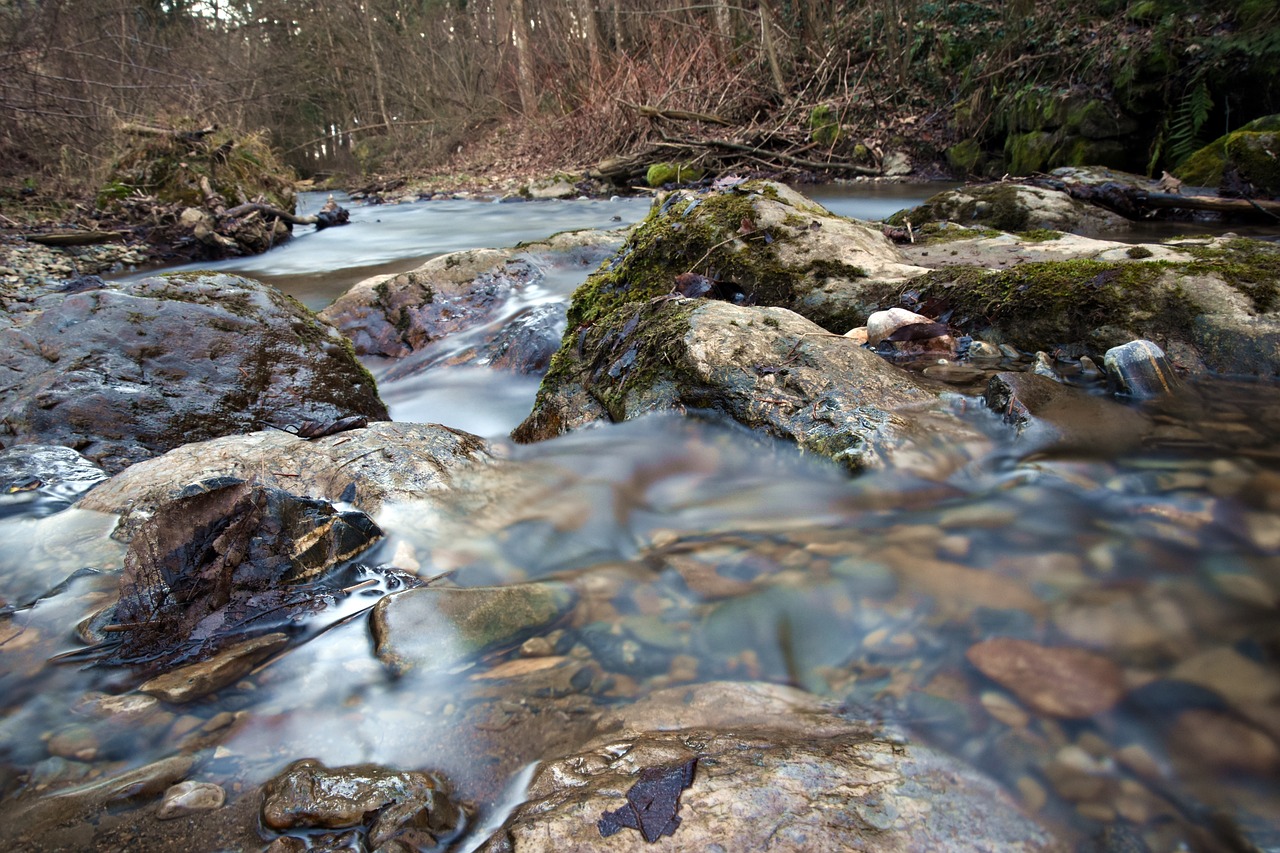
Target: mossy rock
(824,126)
(1216,306)
(1245,149)
(238,167)
(661,174)
(1009,207)
(966,158)
(774,244)
(1030,152)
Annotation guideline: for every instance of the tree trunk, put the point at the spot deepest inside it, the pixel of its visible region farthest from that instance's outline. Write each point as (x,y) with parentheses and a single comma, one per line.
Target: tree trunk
(524,58)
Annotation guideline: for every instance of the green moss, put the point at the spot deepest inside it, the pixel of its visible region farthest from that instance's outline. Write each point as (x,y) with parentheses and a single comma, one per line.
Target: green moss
(632,347)
(825,269)
(1250,266)
(824,126)
(1138,252)
(993,205)
(661,174)
(688,232)
(1036,305)
(1204,168)
(1040,235)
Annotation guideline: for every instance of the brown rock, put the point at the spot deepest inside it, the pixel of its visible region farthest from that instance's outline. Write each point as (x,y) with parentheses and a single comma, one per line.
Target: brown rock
(1060,682)
(200,679)
(1223,741)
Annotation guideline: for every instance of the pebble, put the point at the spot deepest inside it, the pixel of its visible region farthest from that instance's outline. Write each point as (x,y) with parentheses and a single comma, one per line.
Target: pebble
(76,742)
(537,647)
(1032,793)
(1239,680)
(1212,738)
(1065,682)
(982,349)
(187,798)
(1004,709)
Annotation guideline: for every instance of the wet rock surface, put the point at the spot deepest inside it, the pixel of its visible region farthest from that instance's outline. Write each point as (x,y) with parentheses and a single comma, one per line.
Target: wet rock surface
(125,372)
(391,804)
(216,565)
(365,467)
(461,292)
(1050,415)
(767,368)
(844,789)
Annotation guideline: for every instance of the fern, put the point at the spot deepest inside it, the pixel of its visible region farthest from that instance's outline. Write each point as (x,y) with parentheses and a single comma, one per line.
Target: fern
(1191,115)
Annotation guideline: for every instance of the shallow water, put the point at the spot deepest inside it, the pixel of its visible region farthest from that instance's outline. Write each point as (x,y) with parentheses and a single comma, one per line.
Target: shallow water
(712,553)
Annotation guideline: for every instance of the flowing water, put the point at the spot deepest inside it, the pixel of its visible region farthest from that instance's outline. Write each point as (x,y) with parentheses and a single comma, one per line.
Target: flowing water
(712,553)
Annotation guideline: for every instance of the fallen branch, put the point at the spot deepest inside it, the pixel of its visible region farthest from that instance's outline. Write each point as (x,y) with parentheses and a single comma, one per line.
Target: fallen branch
(767,155)
(675,115)
(330,214)
(74,238)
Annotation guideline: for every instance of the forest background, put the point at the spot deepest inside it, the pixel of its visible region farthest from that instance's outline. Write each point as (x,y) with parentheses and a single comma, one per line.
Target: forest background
(462,88)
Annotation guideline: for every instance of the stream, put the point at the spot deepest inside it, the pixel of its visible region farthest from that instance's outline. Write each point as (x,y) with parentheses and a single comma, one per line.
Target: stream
(772,565)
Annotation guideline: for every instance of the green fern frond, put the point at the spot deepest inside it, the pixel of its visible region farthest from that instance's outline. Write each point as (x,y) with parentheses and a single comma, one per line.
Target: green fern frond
(1191,114)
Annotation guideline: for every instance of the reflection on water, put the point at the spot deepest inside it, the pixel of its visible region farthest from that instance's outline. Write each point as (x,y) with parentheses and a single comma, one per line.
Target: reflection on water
(700,551)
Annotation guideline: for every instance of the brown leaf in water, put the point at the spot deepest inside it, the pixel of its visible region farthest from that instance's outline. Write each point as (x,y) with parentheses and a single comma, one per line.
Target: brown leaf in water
(652,802)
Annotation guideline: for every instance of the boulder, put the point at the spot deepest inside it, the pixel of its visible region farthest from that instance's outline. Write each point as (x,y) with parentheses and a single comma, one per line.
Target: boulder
(1249,153)
(472,291)
(767,368)
(365,467)
(1010,207)
(125,372)
(756,242)
(717,767)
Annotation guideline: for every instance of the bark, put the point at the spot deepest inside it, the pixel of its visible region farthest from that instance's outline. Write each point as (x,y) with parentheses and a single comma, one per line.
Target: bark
(524,58)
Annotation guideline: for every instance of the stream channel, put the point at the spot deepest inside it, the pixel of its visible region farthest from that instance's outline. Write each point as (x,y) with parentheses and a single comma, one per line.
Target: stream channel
(868,590)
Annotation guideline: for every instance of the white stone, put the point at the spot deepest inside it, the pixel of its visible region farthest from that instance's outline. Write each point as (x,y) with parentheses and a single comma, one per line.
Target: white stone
(882,324)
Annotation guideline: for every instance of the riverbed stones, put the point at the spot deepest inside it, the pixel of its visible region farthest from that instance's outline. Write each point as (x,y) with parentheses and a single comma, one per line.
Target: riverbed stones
(365,467)
(467,291)
(309,795)
(435,629)
(761,780)
(1059,681)
(126,371)
(767,368)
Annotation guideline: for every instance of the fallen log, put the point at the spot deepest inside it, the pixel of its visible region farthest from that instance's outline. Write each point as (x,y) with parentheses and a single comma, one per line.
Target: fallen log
(1134,202)
(74,238)
(676,115)
(330,214)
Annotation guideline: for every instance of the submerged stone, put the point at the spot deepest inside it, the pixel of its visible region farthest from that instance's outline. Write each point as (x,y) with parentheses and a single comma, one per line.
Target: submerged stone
(1052,416)
(435,629)
(1058,681)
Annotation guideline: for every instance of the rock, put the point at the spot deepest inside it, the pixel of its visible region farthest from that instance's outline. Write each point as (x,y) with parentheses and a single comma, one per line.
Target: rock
(224,562)
(1210,302)
(1052,416)
(1241,681)
(1204,737)
(1010,207)
(1143,624)
(187,798)
(1057,681)
(140,783)
(1141,370)
(763,781)
(766,368)
(466,291)
(47,466)
(308,795)
(760,240)
(126,372)
(198,680)
(896,164)
(882,324)
(367,467)
(1248,152)
(552,188)
(524,344)
(438,628)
